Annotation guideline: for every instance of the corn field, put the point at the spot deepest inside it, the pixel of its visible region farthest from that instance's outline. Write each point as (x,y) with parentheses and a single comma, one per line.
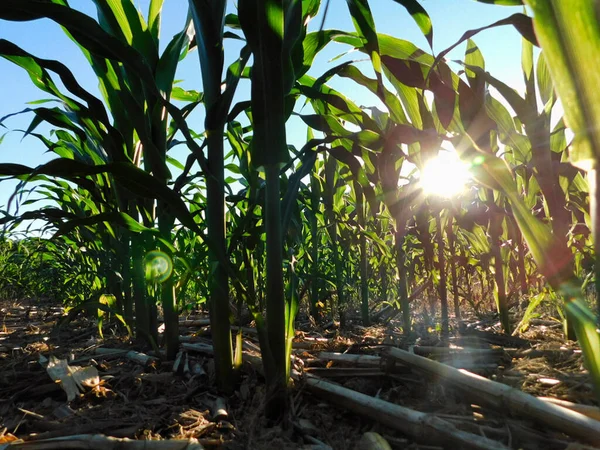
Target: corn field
(451,197)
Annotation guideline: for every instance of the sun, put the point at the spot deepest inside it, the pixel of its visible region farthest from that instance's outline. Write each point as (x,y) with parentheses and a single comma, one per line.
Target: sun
(444,176)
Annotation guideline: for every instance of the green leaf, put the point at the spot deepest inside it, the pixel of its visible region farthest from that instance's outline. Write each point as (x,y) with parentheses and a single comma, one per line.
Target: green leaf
(421,18)
(544,81)
(167,64)
(365,27)
(174,162)
(522,23)
(263,23)
(121,219)
(186,96)
(502,2)
(291,195)
(569,38)
(528,73)
(534,302)
(128,175)
(232,21)
(123,21)
(37,69)
(234,73)
(154,18)
(390,100)
(526,114)
(312,44)
(473,57)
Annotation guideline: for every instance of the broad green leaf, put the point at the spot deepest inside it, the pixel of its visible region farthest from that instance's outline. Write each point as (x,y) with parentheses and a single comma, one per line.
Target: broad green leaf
(167,64)
(528,73)
(263,23)
(521,22)
(420,16)
(154,19)
(326,100)
(365,27)
(124,20)
(208,19)
(232,21)
(131,177)
(389,99)
(291,195)
(473,57)
(232,78)
(186,96)
(312,44)
(37,69)
(502,2)
(544,81)
(524,111)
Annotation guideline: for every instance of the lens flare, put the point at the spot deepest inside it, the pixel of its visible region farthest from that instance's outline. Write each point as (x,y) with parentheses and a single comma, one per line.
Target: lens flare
(445,175)
(159,266)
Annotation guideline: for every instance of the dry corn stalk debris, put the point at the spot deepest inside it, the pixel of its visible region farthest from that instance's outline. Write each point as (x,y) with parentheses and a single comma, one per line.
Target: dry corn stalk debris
(376,361)
(421,426)
(502,397)
(73,379)
(587,410)
(101,442)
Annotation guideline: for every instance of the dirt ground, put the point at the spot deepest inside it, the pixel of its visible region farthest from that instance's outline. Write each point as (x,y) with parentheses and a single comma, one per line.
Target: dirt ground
(152,399)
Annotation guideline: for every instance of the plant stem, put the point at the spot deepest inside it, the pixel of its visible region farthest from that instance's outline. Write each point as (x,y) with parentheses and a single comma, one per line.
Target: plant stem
(594,183)
(275,300)
(142,315)
(443,291)
(217,255)
(402,283)
(453,269)
(364,261)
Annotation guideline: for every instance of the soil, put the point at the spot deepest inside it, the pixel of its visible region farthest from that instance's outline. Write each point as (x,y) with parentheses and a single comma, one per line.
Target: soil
(159,400)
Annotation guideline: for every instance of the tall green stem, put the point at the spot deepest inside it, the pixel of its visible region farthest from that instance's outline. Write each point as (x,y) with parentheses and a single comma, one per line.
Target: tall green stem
(217,256)
(314,233)
(126,272)
(521,262)
(594,182)
(443,290)
(364,261)
(453,269)
(209,21)
(142,314)
(402,282)
(167,289)
(275,292)
(495,230)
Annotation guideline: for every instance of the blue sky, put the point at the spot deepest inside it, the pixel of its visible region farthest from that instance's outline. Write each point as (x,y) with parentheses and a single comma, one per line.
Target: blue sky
(451,18)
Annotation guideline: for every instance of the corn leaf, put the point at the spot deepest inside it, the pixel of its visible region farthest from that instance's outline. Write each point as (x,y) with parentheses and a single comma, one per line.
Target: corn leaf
(421,18)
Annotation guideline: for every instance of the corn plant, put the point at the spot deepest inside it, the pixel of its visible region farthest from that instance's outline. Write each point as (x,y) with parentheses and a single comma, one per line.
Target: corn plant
(408,121)
(136,81)
(209,22)
(364,260)
(569,35)
(282,51)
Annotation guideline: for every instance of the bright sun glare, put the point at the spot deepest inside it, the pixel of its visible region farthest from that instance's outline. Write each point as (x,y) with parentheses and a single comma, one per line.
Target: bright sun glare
(445,175)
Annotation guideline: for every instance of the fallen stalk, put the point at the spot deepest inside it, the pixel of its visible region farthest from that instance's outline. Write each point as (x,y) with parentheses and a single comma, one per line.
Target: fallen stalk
(137,357)
(420,426)
(376,361)
(499,396)
(349,372)
(587,410)
(101,442)
(456,351)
